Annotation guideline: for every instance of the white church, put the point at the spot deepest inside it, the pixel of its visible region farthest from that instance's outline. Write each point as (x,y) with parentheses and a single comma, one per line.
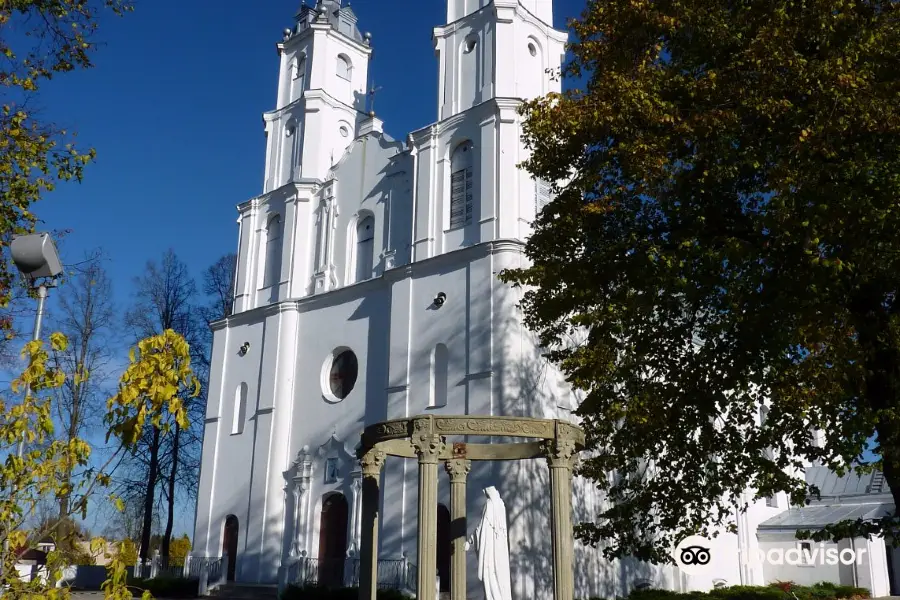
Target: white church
(366,290)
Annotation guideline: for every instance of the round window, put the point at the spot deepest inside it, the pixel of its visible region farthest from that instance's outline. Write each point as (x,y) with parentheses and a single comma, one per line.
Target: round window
(344,131)
(470,45)
(343,373)
(532,49)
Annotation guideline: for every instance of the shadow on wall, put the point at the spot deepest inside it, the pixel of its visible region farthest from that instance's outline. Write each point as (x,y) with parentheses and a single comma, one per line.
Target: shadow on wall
(529,388)
(533,389)
(377,310)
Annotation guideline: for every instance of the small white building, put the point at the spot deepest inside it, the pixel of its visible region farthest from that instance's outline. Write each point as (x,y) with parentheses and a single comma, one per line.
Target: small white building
(367,290)
(842,498)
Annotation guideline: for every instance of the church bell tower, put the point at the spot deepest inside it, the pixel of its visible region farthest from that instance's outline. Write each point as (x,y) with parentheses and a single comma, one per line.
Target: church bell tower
(496,49)
(321,93)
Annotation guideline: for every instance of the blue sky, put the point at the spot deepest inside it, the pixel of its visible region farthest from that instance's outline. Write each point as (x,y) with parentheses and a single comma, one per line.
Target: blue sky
(173,108)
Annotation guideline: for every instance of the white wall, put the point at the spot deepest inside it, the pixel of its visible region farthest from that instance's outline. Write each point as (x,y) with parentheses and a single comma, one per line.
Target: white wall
(869,571)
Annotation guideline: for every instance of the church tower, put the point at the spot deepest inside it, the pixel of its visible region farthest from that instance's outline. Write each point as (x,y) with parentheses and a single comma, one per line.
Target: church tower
(492,55)
(323,74)
(321,93)
(496,49)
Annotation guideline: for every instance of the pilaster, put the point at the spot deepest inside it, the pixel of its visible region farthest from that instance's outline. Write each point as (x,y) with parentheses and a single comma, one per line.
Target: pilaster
(302,480)
(282,409)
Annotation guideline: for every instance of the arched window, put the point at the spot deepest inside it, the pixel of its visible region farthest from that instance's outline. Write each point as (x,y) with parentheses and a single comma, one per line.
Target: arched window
(240,409)
(273,252)
(290,152)
(365,248)
(440,360)
(462,185)
(344,67)
(300,74)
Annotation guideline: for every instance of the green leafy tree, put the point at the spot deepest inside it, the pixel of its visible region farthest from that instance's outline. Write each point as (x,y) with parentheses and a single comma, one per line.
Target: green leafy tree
(149,392)
(724,234)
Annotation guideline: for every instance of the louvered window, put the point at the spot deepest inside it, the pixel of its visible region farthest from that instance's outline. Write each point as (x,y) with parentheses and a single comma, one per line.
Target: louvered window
(542,195)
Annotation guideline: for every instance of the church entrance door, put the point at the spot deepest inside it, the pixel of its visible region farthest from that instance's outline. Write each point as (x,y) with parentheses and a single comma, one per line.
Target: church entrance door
(333,540)
(230,543)
(443,546)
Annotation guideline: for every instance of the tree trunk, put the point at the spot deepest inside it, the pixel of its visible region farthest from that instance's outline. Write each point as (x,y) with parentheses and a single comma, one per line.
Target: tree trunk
(64,532)
(170,521)
(150,495)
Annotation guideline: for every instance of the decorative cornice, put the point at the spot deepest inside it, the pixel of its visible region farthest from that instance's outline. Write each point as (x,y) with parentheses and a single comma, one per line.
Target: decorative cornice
(329,30)
(513,5)
(364,288)
(291,191)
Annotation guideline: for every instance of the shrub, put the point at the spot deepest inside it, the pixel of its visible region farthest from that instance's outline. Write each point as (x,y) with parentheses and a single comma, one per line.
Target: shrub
(780,590)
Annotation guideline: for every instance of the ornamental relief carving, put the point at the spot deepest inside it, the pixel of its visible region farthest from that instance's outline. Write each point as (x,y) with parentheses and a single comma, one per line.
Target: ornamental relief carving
(495,426)
(570,432)
(392,429)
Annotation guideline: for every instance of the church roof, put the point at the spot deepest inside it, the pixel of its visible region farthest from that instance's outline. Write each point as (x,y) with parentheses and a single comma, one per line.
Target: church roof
(817,516)
(851,483)
(340,16)
(846,497)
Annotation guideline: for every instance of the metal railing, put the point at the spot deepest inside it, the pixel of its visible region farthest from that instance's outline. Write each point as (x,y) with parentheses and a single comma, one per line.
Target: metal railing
(397,574)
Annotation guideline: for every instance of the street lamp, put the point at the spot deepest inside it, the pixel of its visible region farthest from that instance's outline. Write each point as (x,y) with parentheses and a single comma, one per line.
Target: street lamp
(36,258)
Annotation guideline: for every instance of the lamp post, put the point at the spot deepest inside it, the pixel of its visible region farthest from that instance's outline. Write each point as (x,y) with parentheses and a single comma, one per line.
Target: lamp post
(36,258)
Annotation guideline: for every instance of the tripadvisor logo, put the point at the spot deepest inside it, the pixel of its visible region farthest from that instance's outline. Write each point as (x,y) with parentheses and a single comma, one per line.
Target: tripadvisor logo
(806,554)
(695,555)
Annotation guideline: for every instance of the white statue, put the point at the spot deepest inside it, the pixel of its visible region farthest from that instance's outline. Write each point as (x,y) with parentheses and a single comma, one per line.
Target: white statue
(491,541)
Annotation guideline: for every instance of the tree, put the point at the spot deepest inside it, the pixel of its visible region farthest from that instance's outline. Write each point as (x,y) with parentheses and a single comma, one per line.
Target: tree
(723,235)
(164,300)
(128,552)
(52,37)
(148,393)
(85,317)
(218,285)
(178,551)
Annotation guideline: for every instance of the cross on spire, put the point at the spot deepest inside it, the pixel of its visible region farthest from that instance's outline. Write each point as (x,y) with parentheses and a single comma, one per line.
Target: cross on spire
(372,91)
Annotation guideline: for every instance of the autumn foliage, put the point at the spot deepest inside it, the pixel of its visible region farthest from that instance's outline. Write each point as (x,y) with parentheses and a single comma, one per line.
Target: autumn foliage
(724,235)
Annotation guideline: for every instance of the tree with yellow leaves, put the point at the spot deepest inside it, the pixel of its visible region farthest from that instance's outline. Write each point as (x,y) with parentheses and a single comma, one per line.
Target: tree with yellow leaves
(42,39)
(152,390)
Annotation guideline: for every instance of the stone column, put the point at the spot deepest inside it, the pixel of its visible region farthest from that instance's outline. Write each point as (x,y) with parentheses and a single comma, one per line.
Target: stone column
(458,469)
(561,455)
(428,446)
(371,462)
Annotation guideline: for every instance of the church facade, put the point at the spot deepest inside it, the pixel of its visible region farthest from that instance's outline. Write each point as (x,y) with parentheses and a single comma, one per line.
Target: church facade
(367,290)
